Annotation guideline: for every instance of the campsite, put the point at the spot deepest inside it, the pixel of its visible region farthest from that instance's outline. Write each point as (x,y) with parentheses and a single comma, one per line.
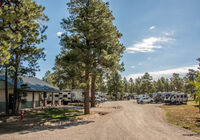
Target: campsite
(99,70)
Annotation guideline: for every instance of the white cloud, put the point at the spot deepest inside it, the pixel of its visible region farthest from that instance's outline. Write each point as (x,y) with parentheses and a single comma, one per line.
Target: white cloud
(148,44)
(152,27)
(168,33)
(132,67)
(165,73)
(59,34)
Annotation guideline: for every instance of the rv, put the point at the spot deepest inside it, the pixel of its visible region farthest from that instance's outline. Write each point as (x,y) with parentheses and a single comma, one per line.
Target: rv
(57,97)
(66,97)
(176,98)
(77,96)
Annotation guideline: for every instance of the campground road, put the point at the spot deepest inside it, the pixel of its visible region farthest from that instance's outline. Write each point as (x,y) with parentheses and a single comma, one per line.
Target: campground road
(131,122)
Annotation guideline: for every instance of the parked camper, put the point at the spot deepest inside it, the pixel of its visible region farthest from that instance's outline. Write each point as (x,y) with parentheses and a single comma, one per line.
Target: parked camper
(176,98)
(57,97)
(159,96)
(77,96)
(66,97)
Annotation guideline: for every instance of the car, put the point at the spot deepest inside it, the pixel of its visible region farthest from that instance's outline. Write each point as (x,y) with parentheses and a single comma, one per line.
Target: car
(144,100)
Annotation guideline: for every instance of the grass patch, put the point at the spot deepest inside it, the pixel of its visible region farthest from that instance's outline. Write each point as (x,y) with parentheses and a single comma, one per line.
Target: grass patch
(54,114)
(186,116)
(40,117)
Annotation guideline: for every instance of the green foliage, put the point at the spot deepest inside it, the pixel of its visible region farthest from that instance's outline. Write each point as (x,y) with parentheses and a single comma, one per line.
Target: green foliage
(189,80)
(23,31)
(138,85)
(116,87)
(132,85)
(50,78)
(18,26)
(91,40)
(146,83)
(126,85)
(197,88)
(177,82)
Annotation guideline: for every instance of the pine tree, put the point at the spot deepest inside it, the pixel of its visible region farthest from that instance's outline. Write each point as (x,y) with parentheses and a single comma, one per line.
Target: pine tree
(131,82)
(8,37)
(189,80)
(25,53)
(177,82)
(126,85)
(196,88)
(116,87)
(92,40)
(138,85)
(146,83)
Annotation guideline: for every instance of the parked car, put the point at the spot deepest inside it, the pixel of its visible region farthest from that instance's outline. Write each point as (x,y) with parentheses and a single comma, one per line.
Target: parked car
(144,100)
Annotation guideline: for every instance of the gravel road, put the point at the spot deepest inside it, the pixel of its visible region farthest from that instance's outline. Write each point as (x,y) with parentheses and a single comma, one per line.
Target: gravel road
(126,121)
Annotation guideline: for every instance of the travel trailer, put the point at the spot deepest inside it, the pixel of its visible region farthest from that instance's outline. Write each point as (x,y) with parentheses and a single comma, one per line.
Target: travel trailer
(66,96)
(77,96)
(176,98)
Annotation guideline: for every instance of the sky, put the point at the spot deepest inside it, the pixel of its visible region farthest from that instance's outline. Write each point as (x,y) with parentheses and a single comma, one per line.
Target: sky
(161,36)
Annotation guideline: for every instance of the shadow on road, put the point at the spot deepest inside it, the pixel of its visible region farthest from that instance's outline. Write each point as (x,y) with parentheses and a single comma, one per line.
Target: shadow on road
(25,130)
(42,119)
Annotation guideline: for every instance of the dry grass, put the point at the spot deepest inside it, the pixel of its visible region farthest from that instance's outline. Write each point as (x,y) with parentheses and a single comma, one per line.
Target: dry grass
(187,116)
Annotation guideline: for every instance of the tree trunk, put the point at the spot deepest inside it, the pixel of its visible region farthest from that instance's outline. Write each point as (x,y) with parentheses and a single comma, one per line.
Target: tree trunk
(199,106)
(15,78)
(6,89)
(87,102)
(194,97)
(39,99)
(44,98)
(33,100)
(93,88)
(15,103)
(73,83)
(52,101)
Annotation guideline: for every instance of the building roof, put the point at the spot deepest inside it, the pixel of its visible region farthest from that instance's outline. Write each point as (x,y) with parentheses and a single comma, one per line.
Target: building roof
(33,84)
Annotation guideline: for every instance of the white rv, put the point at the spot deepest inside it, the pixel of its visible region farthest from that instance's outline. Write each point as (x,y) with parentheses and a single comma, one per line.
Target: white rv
(66,96)
(77,96)
(176,98)
(57,97)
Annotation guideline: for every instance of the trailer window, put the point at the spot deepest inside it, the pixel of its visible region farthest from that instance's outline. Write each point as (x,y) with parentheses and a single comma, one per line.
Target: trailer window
(56,95)
(68,93)
(177,96)
(65,96)
(181,96)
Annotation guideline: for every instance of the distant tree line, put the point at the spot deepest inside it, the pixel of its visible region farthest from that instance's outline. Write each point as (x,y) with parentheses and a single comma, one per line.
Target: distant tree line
(117,87)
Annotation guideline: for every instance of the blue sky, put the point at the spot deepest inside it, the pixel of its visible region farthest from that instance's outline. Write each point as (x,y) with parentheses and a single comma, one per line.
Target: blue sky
(161,36)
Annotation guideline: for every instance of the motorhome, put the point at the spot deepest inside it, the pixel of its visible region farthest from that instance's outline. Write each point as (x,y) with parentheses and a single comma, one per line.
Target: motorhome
(176,98)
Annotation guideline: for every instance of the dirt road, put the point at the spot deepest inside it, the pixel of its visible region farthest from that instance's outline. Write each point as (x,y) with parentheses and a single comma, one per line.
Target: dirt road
(130,121)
